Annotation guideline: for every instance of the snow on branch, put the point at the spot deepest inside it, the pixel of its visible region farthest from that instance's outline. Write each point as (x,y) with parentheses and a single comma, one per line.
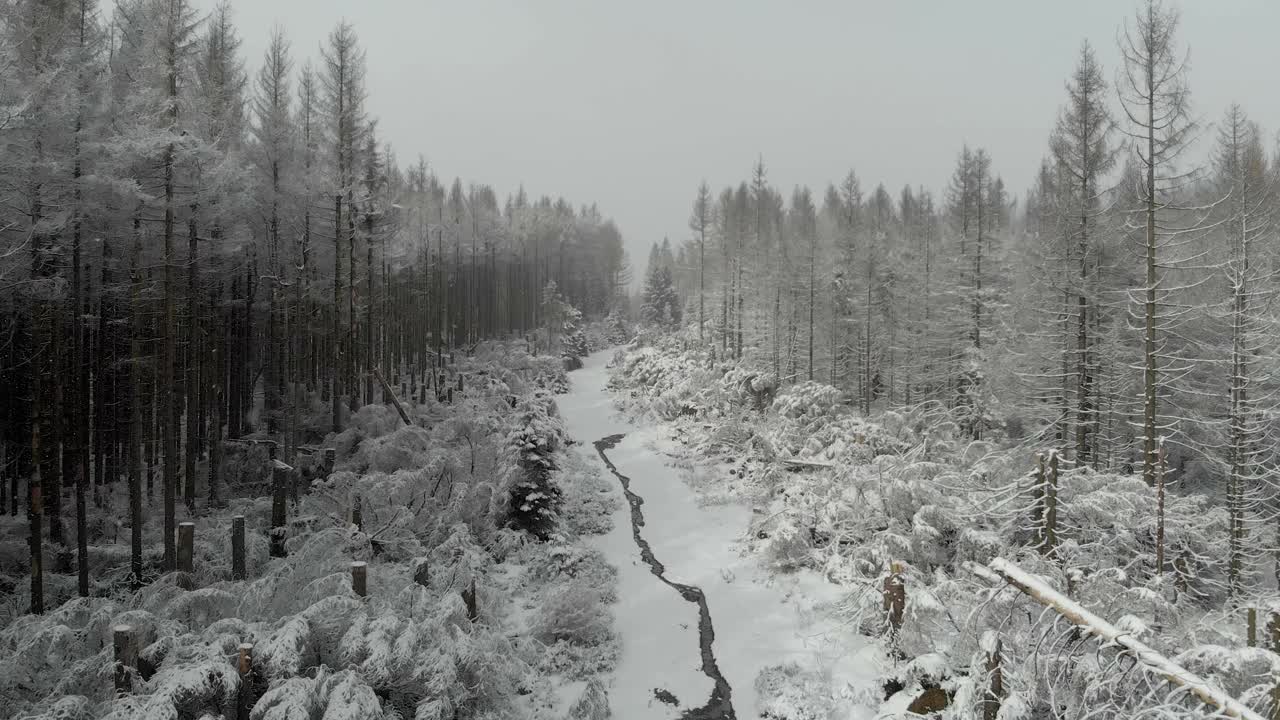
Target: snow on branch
(1154,663)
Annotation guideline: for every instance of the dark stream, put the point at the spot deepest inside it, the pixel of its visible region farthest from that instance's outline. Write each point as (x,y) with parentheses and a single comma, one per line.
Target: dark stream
(720,705)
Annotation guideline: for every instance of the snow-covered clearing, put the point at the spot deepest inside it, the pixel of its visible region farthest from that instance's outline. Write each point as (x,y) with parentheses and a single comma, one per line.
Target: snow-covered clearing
(760,619)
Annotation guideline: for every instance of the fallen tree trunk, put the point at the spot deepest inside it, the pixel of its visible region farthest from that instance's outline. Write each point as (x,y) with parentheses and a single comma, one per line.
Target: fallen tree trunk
(795,462)
(1000,570)
(394,400)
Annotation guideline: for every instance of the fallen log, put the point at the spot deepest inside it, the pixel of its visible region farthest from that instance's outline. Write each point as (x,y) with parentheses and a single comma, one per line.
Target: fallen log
(394,400)
(805,463)
(1154,663)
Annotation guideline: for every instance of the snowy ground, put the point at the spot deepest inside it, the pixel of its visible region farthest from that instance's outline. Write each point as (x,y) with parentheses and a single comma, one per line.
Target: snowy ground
(760,619)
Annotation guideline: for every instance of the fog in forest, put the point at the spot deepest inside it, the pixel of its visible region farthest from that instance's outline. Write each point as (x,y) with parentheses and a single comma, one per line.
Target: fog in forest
(671,360)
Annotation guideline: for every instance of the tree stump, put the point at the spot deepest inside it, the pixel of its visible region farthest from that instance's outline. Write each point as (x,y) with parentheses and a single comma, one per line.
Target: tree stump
(991,645)
(895,598)
(473,606)
(279,508)
(359,578)
(186,547)
(126,657)
(244,670)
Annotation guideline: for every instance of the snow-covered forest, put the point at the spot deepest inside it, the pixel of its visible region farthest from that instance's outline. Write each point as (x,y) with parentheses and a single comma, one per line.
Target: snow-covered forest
(294,427)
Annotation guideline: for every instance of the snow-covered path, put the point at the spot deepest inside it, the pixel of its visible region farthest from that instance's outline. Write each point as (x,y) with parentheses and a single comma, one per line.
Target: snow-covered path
(758,620)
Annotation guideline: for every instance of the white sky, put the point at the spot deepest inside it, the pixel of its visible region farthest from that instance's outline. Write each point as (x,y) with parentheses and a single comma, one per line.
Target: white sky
(631,103)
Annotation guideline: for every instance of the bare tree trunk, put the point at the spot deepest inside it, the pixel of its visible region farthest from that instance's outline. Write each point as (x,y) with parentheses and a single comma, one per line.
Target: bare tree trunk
(135,435)
(170,400)
(334,371)
(191,370)
(35,507)
(1150,369)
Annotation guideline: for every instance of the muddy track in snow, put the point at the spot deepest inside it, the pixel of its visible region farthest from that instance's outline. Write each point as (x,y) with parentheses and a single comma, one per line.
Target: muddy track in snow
(720,704)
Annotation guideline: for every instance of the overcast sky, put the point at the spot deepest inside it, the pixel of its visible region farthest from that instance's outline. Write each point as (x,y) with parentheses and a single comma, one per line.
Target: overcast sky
(630,104)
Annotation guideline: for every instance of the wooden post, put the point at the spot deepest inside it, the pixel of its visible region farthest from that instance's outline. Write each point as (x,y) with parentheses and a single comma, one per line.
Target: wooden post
(244,669)
(995,676)
(895,597)
(330,457)
(126,657)
(186,547)
(450,396)
(279,508)
(359,577)
(459,382)
(1251,625)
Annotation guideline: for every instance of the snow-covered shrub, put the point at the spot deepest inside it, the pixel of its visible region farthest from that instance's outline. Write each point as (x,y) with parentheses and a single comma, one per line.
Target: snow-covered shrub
(329,695)
(535,496)
(573,343)
(405,448)
(588,501)
(788,692)
(612,331)
(574,613)
(592,704)
(579,564)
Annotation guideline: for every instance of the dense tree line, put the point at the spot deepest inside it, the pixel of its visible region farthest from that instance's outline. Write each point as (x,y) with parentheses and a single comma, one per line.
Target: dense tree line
(1120,312)
(190,255)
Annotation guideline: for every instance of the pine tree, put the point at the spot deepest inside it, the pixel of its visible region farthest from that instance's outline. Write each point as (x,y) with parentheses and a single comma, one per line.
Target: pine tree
(342,82)
(273,131)
(660,304)
(700,223)
(1082,147)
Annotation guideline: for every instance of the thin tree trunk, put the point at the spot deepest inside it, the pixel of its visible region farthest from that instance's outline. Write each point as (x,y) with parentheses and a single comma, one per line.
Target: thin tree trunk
(335,393)
(1149,307)
(190,371)
(135,435)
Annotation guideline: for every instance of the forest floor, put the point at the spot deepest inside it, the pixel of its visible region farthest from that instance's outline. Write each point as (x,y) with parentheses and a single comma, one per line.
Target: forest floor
(768,628)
